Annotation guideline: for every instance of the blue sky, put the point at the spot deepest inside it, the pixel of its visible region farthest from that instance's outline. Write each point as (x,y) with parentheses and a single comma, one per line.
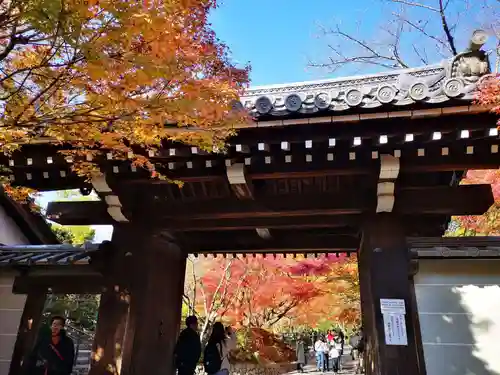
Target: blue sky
(278,37)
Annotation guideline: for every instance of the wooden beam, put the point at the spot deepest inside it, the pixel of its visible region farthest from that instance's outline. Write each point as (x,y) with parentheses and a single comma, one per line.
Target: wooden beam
(298,222)
(73,213)
(447,200)
(61,284)
(300,243)
(440,200)
(460,200)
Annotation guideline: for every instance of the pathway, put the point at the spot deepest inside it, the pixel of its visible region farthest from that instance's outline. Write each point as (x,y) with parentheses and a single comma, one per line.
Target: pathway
(348,368)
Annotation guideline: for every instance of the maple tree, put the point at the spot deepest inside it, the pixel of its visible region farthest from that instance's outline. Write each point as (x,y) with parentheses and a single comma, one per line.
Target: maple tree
(260,292)
(270,291)
(338,282)
(489,93)
(211,289)
(489,223)
(246,291)
(114,76)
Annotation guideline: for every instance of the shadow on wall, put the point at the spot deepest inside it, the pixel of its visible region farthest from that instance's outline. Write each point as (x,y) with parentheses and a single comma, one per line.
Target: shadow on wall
(460,322)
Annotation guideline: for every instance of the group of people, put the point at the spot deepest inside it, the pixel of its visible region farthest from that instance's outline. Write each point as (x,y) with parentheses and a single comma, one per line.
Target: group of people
(216,353)
(329,350)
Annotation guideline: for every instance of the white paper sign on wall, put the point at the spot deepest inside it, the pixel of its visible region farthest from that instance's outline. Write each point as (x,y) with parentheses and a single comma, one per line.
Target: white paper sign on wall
(393,313)
(392,306)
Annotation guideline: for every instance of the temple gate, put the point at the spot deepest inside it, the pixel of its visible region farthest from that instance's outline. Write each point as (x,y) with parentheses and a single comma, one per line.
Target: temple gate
(367,164)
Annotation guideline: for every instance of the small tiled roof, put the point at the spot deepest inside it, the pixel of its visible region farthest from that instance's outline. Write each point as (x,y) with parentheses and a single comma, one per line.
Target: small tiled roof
(44,257)
(37,231)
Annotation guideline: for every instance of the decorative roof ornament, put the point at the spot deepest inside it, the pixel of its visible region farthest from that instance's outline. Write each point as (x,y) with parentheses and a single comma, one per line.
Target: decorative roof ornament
(456,78)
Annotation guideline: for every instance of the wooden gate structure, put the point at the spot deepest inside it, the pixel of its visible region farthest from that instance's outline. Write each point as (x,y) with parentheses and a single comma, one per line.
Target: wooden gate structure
(367,164)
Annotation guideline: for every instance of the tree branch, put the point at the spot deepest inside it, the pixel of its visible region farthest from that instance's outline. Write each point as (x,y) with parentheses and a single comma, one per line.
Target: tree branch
(446,29)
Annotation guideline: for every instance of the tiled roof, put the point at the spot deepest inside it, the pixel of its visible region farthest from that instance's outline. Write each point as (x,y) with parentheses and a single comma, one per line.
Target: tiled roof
(45,255)
(454,79)
(11,258)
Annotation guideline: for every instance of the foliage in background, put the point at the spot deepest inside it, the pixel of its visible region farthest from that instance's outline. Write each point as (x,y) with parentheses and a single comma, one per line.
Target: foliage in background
(79,309)
(119,77)
(337,304)
(274,293)
(75,235)
(256,345)
(482,225)
(489,93)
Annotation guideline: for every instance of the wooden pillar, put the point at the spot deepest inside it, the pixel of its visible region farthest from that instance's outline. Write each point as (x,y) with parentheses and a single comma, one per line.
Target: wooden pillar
(28,328)
(140,324)
(385,280)
(108,342)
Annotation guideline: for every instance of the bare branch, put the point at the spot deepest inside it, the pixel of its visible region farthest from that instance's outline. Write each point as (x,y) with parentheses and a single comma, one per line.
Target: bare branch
(417,5)
(415,32)
(446,29)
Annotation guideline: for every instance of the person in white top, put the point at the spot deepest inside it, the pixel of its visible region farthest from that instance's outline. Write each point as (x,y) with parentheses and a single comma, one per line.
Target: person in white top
(321,349)
(318,349)
(221,342)
(334,356)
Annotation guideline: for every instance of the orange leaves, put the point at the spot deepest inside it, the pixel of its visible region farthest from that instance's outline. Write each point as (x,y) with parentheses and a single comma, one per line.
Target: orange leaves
(124,67)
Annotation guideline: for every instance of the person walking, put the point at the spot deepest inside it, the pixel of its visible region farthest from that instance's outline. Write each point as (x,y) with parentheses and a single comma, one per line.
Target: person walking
(354,342)
(339,347)
(341,338)
(361,350)
(325,348)
(334,357)
(188,349)
(216,355)
(301,355)
(54,353)
(318,350)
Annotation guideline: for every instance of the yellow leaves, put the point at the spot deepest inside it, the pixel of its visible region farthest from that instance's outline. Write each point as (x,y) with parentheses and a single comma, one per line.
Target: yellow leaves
(19,194)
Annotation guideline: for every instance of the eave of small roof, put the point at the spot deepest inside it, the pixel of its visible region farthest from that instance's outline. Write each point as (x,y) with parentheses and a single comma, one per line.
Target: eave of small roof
(37,231)
(454,80)
(33,226)
(44,258)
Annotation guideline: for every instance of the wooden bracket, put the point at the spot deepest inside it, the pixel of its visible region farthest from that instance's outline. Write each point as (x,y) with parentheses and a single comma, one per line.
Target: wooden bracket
(243,190)
(114,205)
(237,180)
(389,171)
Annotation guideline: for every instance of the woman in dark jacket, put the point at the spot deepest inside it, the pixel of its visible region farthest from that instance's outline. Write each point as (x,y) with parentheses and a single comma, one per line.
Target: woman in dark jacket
(53,354)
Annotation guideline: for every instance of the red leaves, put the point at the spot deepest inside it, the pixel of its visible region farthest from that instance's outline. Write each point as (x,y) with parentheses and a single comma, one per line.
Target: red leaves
(489,223)
(260,291)
(316,266)
(489,93)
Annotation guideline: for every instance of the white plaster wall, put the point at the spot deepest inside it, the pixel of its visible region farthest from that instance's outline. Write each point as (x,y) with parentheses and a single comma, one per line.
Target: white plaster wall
(459,310)
(11,305)
(10,234)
